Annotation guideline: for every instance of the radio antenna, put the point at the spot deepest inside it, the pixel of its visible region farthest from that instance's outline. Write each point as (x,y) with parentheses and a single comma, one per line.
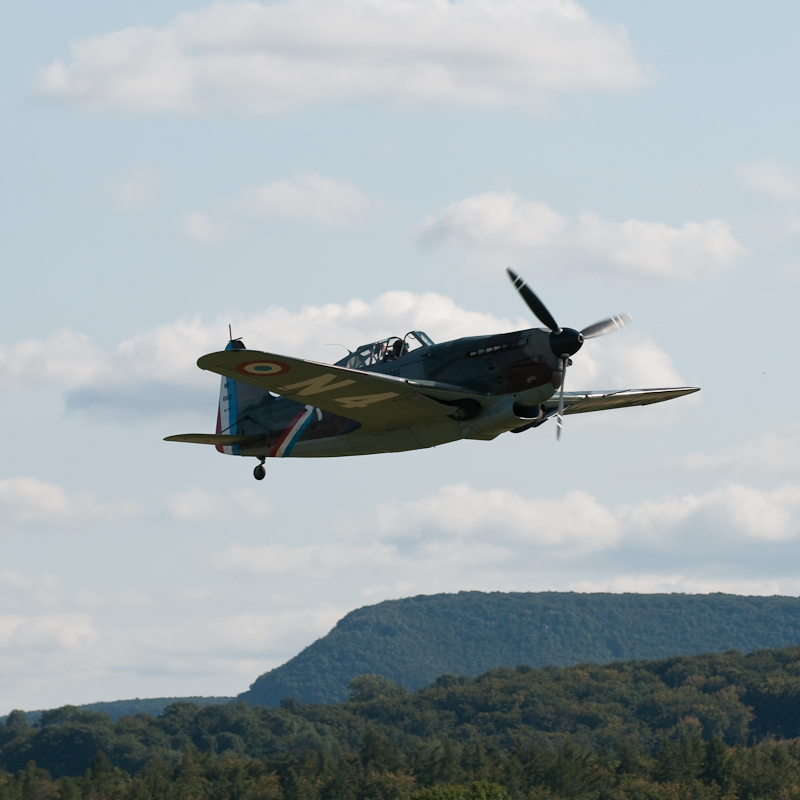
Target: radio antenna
(337,344)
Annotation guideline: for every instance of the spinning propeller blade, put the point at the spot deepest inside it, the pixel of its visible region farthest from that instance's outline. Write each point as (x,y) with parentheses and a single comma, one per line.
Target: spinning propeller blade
(560,414)
(606,326)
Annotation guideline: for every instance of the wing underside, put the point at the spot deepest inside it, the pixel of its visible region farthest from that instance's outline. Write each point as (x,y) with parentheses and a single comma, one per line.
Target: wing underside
(583,402)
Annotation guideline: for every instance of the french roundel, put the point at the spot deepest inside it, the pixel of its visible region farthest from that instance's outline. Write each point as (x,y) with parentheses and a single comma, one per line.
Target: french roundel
(265,368)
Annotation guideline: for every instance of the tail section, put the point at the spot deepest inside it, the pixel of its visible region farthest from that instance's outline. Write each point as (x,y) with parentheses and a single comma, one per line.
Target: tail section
(243,410)
(227,411)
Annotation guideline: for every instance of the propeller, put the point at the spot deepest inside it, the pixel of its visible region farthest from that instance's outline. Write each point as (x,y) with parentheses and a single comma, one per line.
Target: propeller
(560,412)
(534,303)
(564,342)
(606,326)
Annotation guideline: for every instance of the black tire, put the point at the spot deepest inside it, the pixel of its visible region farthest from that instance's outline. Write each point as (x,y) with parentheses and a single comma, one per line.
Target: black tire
(259,473)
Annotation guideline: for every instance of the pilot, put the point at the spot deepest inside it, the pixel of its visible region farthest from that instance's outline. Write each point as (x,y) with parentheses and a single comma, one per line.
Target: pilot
(398,349)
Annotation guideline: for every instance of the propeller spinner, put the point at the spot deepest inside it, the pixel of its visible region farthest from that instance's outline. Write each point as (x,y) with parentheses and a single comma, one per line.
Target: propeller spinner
(564,342)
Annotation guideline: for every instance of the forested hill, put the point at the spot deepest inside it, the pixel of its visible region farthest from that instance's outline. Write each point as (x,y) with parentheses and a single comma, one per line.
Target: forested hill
(121,708)
(708,727)
(414,640)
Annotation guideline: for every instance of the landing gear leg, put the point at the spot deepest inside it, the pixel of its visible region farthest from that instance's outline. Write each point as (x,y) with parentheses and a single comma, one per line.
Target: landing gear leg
(259,472)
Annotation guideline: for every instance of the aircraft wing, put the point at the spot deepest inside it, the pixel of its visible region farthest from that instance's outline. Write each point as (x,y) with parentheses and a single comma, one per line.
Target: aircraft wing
(373,399)
(582,402)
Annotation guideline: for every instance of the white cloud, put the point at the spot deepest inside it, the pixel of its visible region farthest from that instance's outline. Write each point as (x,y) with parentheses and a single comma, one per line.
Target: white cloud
(66,359)
(45,591)
(773,452)
(769,516)
(155,371)
(655,582)
(631,361)
(135,192)
(49,632)
(286,631)
(494,220)
(755,514)
(308,197)
(29,500)
(195,505)
(769,177)
(790,271)
(279,559)
(653,249)
(222,637)
(202,228)
(402,564)
(39,585)
(502,223)
(20,591)
(580,523)
(305,198)
(267,56)
(165,356)
(459,536)
(485,539)
(576,520)
(193,654)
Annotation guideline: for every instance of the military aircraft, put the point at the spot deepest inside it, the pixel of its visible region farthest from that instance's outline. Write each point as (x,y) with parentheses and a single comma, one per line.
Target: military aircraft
(405,393)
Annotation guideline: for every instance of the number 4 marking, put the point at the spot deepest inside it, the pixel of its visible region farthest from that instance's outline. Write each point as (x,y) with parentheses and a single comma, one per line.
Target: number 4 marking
(364,400)
(322,383)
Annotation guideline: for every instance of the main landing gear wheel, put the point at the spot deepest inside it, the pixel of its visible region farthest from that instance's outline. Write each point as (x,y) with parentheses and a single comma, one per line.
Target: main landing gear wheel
(259,472)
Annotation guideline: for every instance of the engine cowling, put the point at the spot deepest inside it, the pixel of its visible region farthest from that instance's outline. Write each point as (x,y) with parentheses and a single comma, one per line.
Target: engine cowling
(505,415)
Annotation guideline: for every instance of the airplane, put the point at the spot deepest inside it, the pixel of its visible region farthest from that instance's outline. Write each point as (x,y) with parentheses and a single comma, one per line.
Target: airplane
(406,393)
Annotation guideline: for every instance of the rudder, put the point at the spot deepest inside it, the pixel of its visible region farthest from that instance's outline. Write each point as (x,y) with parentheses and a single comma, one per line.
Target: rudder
(227,411)
(243,410)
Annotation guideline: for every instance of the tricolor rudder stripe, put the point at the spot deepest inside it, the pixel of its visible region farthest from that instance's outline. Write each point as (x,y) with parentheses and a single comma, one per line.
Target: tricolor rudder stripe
(228,410)
(283,447)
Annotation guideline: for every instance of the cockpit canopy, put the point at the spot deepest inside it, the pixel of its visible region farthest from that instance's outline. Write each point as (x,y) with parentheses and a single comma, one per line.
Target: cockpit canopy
(386,350)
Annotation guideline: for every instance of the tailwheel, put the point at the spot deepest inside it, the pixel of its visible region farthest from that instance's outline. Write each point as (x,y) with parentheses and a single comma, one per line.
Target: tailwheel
(259,473)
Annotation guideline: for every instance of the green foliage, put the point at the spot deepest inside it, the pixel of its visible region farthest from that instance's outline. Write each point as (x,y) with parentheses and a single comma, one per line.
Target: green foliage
(121,708)
(480,790)
(154,705)
(365,688)
(696,728)
(414,640)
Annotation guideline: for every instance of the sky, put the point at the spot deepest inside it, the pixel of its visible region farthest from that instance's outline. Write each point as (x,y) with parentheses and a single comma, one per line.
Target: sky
(324,173)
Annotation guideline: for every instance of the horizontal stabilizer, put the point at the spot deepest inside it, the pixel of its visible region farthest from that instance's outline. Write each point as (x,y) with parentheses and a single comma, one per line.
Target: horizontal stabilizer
(581,402)
(221,439)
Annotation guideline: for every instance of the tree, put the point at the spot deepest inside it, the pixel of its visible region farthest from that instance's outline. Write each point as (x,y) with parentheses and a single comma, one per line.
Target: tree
(369,687)
(480,790)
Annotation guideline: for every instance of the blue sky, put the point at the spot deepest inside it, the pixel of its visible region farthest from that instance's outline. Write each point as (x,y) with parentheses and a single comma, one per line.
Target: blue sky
(336,172)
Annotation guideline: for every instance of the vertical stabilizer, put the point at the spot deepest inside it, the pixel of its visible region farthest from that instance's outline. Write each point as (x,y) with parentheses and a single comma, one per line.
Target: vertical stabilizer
(227,411)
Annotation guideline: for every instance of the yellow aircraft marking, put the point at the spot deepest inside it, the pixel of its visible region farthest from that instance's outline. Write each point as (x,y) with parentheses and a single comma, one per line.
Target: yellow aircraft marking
(364,400)
(322,383)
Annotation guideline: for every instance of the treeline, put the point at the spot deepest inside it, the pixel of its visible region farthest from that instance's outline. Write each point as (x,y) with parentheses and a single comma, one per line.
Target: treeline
(687,769)
(416,639)
(152,705)
(714,726)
